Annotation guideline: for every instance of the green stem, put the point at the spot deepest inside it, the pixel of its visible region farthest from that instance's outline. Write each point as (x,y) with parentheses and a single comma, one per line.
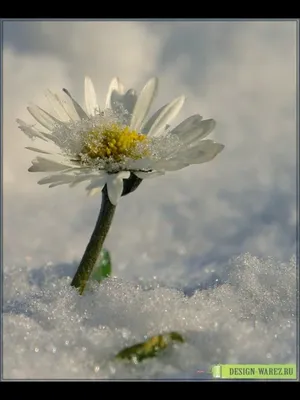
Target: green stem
(94,247)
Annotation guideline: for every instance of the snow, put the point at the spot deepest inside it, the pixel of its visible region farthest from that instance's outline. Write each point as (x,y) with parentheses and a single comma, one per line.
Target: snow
(245,315)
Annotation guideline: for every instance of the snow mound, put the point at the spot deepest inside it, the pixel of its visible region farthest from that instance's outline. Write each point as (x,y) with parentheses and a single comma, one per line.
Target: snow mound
(245,315)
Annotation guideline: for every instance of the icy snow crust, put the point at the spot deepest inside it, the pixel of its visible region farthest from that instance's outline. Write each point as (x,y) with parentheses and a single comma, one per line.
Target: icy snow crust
(245,314)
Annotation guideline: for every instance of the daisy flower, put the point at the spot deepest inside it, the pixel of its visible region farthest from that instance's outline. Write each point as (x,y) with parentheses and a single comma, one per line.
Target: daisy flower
(108,145)
(113,148)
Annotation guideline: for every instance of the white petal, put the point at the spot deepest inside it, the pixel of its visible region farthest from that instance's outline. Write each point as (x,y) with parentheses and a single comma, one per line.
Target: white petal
(56,180)
(37,150)
(43,117)
(147,126)
(193,136)
(115,85)
(143,164)
(68,105)
(115,185)
(206,151)
(171,165)
(189,124)
(143,104)
(124,174)
(57,106)
(80,111)
(90,97)
(147,175)
(166,115)
(209,156)
(68,176)
(123,102)
(50,147)
(96,185)
(30,131)
(129,100)
(56,140)
(40,164)
(81,178)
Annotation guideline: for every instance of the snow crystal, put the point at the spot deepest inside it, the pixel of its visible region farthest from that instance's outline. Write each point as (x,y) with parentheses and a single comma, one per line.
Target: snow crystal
(244,315)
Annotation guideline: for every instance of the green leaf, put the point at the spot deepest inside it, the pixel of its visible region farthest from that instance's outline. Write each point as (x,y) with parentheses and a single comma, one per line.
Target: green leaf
(150,348)
(102,268)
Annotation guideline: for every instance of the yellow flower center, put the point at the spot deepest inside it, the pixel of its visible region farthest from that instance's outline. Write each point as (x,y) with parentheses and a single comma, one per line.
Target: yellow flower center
(115,142)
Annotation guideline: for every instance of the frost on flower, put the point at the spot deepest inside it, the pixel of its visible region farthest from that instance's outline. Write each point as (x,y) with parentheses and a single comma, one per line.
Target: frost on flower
(104,146)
